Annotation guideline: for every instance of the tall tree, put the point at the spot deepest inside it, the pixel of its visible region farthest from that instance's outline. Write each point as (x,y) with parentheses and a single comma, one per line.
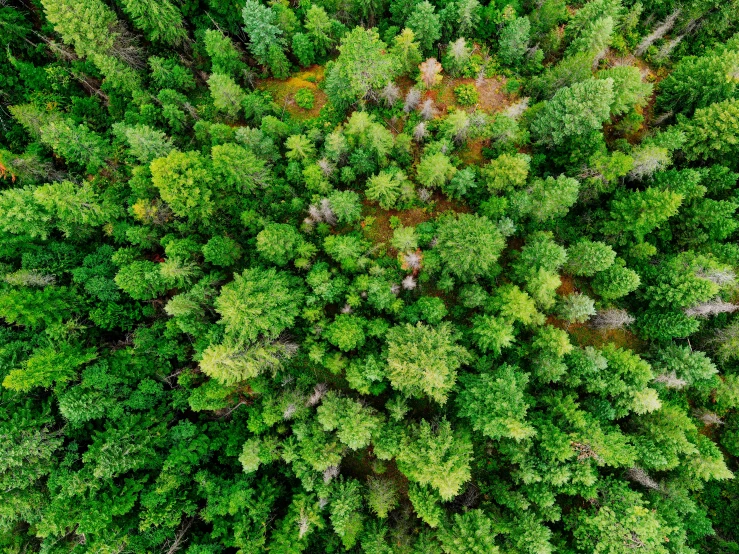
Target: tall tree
(260,23)
(574,111)
(362,66)
(424,360)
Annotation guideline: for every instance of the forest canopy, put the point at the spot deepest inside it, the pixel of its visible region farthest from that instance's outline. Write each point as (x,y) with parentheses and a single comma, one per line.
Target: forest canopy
(378,276)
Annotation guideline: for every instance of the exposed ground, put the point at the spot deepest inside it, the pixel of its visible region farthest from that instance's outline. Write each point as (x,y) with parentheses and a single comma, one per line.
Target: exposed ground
(283,91)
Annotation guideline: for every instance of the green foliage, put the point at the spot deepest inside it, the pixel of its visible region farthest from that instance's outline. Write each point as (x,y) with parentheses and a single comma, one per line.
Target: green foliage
(471,532)
(574,111)
(184,183)
(615,282)
(303,49)
(320,29)
(698,82)
(713,133)
(234,324)
(279,243)
(466,95)
(468,245)
(435,170)
(424,360)
(354,424)
(577,308)
(495,403)
(345,516)
(345,206)
(227,95)
(382,496)
(629,91)
(224,56)
(425,24)
(145,143)
(641,212)
(259,302)
(588,257)
(426,502)
(385,188)
(514,41)
(492,333)
(55,364)
(85,26)
(346,332)
(231,364)
(141,280)
(361,66)
(260,24)
(506,172)
(437,457)
(305,98)
(222,251)
(406,52)
(546,199)
(299,147)
(76,143)
(160,20)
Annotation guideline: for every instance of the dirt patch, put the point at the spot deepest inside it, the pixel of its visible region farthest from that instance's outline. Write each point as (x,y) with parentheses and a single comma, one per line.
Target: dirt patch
(443,204)
(283,91)
(583,335)
(492,96)
(568,285)
(380,231)
(472,152)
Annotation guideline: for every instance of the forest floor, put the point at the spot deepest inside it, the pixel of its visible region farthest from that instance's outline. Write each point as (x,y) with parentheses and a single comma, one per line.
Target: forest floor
(379,229)
(283,91)
(583,334)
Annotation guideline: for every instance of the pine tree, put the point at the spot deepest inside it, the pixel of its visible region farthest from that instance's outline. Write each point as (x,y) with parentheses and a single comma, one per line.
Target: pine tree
(425,24)
(423,360)
(495,403)
(160,20)
(260,23)
(468,245)
(259,302)
(471,532)
(436,457)
(362,66)
(574,111)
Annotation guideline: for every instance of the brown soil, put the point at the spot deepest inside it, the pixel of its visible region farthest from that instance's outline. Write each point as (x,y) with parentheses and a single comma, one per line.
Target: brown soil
(472,152)
(492,97)
(380,231)
(582,335)
(568,285)
(283,91)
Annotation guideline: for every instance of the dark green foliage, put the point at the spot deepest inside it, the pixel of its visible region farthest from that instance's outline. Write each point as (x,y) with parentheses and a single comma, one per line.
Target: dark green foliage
(221,251)
(468,245)
(303,49)
(372,304)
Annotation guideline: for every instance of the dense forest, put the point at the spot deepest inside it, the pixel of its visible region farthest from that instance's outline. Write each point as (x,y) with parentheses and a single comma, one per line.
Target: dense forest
(379,276)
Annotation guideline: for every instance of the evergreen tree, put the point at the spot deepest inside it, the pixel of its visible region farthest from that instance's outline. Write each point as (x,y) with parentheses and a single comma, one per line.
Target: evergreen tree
(362,66)
(436,457)
(425,25)
(161,21)
(574,111)
(260,23)
(424,360)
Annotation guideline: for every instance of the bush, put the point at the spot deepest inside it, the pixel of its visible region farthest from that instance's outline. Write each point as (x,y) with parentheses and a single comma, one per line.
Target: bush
(305,98)
(466,95)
